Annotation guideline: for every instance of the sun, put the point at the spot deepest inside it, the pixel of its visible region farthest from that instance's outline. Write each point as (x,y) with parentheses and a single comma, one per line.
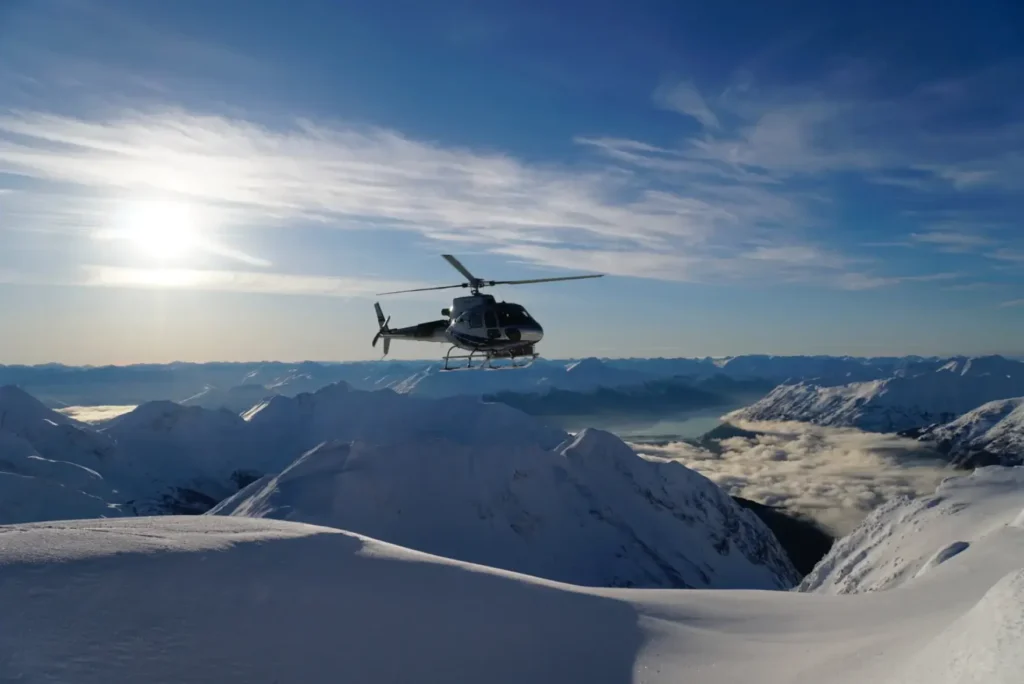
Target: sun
(160,229)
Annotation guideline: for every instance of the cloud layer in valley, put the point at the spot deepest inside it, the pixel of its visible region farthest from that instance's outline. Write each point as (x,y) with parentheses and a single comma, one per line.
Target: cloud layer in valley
(835,476)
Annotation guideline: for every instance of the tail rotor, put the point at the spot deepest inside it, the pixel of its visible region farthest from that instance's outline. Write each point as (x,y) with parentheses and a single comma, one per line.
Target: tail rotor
(383,323)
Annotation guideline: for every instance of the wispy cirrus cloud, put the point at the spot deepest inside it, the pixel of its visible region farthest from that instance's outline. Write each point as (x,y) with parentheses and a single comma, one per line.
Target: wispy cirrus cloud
(952,241)
(684,98)
(1011,303)
(1008,255)
(376,179)
(236,281)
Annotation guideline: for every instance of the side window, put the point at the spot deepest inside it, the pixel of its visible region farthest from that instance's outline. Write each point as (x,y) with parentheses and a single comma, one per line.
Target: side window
(490,320)
(475,320)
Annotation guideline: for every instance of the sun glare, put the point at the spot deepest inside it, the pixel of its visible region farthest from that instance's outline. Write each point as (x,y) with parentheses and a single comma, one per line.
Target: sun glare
(159,229)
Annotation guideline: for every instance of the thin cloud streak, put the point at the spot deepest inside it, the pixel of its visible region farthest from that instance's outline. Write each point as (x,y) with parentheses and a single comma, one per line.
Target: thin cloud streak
(377,179)
(718,209)
(237,281)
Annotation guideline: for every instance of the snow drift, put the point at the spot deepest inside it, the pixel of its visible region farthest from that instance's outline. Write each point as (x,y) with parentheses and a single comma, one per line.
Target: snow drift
(212,598)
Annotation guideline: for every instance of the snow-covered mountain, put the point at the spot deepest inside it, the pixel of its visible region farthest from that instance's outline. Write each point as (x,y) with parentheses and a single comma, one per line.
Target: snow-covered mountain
(292,425)
(992,434)
(922,396)
(590,511)
(180,459)
(50,464)
(577,376)
(212,598)
(473,480)
(965,522)
(239,398)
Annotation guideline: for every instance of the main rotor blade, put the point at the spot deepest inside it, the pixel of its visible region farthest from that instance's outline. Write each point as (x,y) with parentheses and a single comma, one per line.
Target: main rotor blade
(542,280)
(424,289)
(460,268)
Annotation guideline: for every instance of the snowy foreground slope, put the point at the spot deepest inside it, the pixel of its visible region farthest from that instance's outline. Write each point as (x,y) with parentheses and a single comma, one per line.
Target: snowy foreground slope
(914,399)
(219,599)
(589,511)
(907,539)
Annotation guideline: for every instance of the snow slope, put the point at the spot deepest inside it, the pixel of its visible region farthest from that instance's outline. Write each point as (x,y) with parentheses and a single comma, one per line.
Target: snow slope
(50,464)
(589,511)
(215,599)
(174,458)
(237,399)
(992,434)
(905,539)
(915,399)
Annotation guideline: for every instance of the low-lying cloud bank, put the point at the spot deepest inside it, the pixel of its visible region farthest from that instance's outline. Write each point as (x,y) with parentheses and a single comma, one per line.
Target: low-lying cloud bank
(95,414)
(833,475)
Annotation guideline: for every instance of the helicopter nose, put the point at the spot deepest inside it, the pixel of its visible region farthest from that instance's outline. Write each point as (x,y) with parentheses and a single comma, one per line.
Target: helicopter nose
(532,333)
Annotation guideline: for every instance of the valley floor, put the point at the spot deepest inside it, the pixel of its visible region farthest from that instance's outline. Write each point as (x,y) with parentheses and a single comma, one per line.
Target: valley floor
(219,599)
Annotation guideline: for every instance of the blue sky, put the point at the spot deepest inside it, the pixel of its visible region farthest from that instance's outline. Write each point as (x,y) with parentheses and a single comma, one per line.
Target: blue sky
(234,180)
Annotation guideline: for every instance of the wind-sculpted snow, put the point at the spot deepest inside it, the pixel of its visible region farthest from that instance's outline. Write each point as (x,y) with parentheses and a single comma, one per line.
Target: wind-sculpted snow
(589,511)
(236,600)
(915,399)
(908,539)
(983,645)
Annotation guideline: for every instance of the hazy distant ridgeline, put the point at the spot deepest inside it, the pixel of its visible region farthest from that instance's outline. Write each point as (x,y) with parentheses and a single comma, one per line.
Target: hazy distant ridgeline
(59,385)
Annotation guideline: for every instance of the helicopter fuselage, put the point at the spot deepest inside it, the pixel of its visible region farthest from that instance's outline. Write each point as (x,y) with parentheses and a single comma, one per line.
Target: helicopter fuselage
(476,323)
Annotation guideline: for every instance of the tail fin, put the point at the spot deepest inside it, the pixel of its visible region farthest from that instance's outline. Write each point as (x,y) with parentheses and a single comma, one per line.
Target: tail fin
(383,323)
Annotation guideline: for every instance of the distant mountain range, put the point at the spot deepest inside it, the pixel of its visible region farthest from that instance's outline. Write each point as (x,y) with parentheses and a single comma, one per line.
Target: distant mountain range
(917,395)
(681,393)
(227,384)
(992,434)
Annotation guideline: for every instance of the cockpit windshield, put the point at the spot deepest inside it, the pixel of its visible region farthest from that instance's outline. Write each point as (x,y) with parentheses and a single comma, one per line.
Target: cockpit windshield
(512,314)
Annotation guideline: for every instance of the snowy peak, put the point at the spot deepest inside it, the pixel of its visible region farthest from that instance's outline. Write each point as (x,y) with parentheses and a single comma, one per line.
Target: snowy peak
(50,434)
(992,434)
(236,399)
(48,464)
(993,365)
(384,416)
(588,511)
(20,410)
(168,416)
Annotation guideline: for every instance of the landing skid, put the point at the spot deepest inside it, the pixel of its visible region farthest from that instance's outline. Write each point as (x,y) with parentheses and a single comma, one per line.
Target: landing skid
(484,360)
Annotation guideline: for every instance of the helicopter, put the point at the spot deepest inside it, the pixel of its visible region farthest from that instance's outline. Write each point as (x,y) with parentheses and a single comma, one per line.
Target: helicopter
(478,324)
